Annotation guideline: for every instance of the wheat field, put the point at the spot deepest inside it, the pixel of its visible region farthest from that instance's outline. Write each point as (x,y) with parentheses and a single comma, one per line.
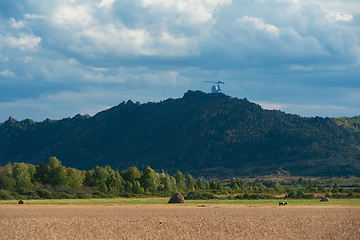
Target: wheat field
(218,221)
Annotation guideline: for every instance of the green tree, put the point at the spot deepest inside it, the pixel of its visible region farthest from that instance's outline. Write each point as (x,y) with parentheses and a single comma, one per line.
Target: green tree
(219,187)
(131,174)
(213,184)
(301,181)
(136,188)
(190,182)
(234,186)
(275,185)
(74,178)
(100,175)
(22,177)
(180,179)
(58,176)
(6,180)
(103,188)
(128,187)
(42,173)
(199,184)
(148,180)
(89,181)
(114,181)
(166,184)
(57,172)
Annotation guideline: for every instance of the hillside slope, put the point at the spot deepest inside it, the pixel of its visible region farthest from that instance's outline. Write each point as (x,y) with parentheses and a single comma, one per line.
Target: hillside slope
(199,133)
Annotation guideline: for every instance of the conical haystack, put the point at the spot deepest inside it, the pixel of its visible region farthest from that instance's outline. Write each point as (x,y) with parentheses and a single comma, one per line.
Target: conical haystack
(325,199)
(177,198)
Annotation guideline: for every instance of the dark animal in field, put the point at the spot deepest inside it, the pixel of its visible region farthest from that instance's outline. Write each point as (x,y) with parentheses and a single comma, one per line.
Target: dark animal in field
(282,203)
(21,202)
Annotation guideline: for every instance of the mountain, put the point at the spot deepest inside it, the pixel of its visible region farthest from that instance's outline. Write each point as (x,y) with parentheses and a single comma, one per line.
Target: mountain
(199,133)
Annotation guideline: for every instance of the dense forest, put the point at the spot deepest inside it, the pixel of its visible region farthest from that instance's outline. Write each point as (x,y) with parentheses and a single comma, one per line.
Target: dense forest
(199,134)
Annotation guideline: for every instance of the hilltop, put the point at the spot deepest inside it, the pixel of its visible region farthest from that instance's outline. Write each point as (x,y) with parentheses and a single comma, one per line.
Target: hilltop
(198,133)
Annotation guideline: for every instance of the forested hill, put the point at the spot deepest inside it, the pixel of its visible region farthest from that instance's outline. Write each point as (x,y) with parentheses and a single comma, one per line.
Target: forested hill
(199,133)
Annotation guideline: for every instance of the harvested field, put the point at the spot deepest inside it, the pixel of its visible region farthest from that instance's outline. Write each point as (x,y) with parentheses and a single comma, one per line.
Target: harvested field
(179,222)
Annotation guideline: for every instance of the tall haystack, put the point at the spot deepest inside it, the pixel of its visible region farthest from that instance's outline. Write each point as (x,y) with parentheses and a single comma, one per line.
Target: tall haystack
(177,198)
(325,199)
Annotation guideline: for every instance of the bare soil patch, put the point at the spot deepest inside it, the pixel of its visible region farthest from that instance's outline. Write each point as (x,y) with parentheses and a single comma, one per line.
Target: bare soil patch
(179,222)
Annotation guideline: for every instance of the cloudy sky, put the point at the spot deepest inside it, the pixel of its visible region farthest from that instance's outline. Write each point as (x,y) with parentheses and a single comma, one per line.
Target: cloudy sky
(63,57)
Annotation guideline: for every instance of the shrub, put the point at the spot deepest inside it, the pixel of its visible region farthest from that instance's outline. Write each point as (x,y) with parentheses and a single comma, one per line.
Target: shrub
(43,193)
(98,194)
(63,195)
(198,195)
(18,196)
(81,195)
(4,195)
(32,195)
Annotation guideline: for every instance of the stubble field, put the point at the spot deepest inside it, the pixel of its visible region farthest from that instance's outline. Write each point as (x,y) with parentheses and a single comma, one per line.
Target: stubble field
(193,221)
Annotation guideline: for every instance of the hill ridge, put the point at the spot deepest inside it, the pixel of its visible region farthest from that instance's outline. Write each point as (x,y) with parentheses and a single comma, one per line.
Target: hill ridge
(199,133)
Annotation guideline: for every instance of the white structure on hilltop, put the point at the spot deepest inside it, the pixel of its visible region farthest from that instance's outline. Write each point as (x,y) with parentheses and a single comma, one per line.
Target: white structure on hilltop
(216,88)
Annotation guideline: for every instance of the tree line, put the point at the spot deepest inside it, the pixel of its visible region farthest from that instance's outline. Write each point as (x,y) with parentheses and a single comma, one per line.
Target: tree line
(53,180)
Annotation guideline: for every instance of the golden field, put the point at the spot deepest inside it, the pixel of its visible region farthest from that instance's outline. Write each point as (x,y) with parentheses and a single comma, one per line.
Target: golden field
(189,221)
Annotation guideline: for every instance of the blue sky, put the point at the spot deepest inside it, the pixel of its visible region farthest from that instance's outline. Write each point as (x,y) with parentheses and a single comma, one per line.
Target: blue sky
(63,57)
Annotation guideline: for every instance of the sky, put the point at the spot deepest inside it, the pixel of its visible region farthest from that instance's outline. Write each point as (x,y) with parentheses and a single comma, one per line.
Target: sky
(60,58)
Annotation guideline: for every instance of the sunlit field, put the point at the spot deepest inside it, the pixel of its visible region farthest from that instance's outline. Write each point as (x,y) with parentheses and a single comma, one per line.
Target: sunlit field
(121,218)
(161,200)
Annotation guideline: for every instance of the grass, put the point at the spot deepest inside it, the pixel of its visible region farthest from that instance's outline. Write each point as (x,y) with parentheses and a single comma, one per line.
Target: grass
(159,200)
(102,201)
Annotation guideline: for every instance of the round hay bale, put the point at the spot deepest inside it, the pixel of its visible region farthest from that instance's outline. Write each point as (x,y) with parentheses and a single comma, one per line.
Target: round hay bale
(21,202)
(325,199)
(177,198)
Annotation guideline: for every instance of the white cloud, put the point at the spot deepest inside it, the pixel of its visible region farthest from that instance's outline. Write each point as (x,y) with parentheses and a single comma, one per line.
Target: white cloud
(34,16)
(346,6)
(77,17)
(3,58)
(259,24)
(100,69)
(106,3)
(17,24)
(335,16)
(7,73)
(73,61)
(24,42)
(169,46)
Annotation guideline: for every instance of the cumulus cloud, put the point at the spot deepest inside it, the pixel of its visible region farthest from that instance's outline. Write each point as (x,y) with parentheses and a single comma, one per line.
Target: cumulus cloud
(335,16)
(24,42)
(166,47)
(17,24)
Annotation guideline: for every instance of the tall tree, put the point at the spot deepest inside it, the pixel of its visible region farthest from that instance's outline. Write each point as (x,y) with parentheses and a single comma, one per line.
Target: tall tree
(131,174)
(75,178)
(57,175)
(148,180)
(180,179)
(199,184)
(22,177)
(42,173)
(190,182)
